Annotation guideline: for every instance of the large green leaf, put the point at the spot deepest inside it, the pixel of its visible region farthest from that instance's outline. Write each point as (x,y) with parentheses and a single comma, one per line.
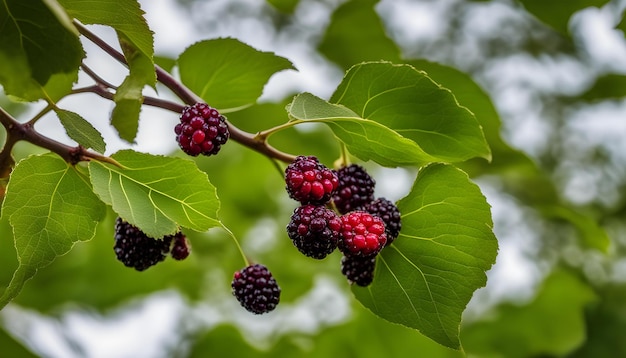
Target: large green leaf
(124,16)
(39,55)
(425,279)
(409,102)
(553,324)
(557,13)
(50,206)
(81,131)
(136,41)
(347,44)
(158,194)
(228,74)
(363,137)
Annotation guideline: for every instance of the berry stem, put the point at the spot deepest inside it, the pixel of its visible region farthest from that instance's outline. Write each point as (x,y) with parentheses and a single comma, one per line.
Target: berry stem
(249,140)
(230,233)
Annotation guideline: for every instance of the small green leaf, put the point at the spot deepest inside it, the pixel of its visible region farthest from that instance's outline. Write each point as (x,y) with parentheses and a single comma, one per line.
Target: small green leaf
(364,138)
(81,131)
(129,97)
(347,44)
(39,56)
(410,103)
(426,278)
(50,206)
(158,194)
(557,13)
(228,74)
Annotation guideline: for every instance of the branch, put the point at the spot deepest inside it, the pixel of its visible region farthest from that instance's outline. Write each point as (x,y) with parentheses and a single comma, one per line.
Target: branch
(244,138)
(17,131)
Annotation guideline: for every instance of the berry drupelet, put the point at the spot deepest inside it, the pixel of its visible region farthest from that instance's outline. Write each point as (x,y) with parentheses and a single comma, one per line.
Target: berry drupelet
(256,289)
(314,230)
(359,270)
(388,211)
(356,188)
(202,130)
(310,182)
(362,234)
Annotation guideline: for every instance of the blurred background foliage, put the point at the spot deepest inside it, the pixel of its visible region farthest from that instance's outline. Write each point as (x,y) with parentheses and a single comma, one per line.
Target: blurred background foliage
(551,103)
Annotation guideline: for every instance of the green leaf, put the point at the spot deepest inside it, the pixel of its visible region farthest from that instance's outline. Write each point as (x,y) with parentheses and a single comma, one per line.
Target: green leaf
(129,97)
(39,56)
(158,194)
(557,13)
(81,131)
(364,138)
(610,86)
(50,206)
(410,103)
(125,16)
(347,44)
(425,279)
(228,74)
(286,6)
(549,326)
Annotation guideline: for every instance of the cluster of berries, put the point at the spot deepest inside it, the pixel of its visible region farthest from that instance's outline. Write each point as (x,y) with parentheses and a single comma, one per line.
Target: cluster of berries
(137,250)
(360,226)
(202,130)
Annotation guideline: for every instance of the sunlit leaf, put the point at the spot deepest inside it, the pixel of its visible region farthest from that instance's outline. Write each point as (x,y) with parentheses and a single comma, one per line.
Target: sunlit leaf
(364,138)
(410,103)
(227,73)
(426,278)
(50,206)
(81,131)
(158,194)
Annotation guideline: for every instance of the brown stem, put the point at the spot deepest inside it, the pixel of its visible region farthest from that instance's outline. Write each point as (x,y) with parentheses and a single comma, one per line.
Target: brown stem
(17,131)
(189,97)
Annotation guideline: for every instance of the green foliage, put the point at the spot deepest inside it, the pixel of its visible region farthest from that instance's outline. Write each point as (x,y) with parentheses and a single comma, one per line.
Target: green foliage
(427,276)
(156,193)
(51,206)
(39,54)
(81,131)
(557,13)
(347,44)
(407,101)
(407,114)
(549,325)
(227,73)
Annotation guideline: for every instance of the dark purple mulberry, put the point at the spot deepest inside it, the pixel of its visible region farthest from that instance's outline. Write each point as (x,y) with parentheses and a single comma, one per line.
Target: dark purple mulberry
(256,289)
(202,130)
(356,188)
(359,270)
(314,230)
(135,249)
(310,182)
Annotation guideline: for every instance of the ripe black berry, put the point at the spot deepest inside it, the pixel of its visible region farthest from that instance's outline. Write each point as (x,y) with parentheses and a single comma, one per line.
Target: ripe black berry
(202,130)
(388,211)
(314,230)
(135,249)
(256,289)
(362,234)
(356,188)
(181,247)
(310,182)
(359,270)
